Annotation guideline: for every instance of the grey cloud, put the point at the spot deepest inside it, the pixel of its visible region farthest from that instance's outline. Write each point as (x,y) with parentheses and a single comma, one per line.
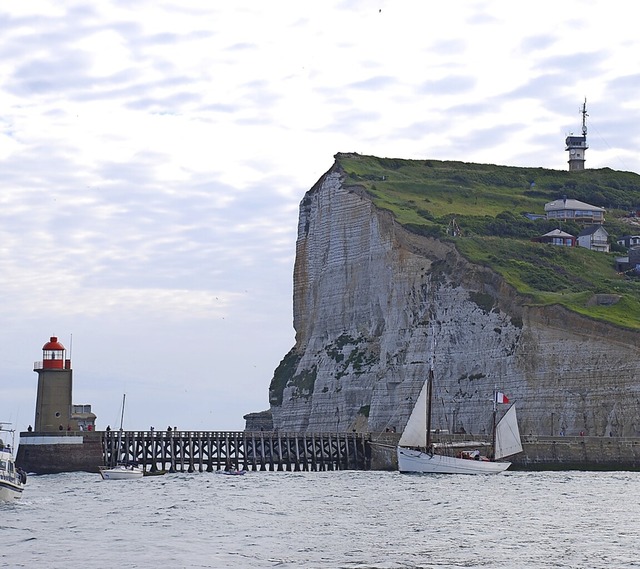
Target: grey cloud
(55,34)
(226,108)
(357,6)
(374,83)
(257,119)
(546,85)
(538,42)
(626,85)
(81,12)
(480,17)
(256,97)
(243,46)
(448,47)
(184,242)
(134,172)
(472,108)
(65,69)
(169,105)
(44,165)
(450,85)
(137,39)
(417,130)
(574,65)
(486,137)
(350,121)
(136,91)
(621,129)
(161,39)
(132,230)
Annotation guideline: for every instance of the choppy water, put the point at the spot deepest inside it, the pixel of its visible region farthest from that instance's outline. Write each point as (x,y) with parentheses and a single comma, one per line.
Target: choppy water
(335,519)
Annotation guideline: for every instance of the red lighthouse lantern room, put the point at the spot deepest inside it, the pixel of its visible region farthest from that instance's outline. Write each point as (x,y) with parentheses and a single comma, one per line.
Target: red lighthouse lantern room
(53,355)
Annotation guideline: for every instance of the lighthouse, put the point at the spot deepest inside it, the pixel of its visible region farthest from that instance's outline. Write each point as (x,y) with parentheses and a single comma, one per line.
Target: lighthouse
(577,146)
(64,438)
(55,385)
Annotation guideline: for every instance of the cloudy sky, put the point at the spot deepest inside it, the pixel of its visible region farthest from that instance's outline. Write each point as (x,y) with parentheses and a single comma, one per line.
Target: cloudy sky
(153,156)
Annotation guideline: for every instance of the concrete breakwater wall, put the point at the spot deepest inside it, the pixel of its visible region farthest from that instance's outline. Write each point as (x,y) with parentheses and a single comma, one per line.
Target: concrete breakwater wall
(66,451)
(190,451)
(193,451)
(578,453)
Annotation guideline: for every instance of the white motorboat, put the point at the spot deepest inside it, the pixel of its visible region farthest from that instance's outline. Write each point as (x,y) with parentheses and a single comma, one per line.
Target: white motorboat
(12,478)
(121,472)
(416,452)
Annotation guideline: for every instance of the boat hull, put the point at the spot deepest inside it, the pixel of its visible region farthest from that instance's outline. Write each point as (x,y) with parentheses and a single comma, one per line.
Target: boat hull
(12,478)
(121,473)
(10,491)
(415,461)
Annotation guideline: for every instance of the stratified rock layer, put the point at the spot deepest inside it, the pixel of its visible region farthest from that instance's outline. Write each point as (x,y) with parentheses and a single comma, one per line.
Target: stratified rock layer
(373,303)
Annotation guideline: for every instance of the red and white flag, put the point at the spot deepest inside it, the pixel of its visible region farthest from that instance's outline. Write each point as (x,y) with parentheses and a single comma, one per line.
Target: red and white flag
(501,397)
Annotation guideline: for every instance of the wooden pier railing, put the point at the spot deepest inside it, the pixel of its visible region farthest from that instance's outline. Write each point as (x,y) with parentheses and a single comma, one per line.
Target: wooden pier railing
(200,451)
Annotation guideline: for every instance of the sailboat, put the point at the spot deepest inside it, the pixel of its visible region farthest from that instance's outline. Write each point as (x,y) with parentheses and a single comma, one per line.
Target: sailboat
(417,453)
(121,470)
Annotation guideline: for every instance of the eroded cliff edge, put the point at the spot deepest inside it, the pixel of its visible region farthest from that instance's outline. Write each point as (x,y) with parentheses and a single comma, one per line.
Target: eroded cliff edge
(370,301)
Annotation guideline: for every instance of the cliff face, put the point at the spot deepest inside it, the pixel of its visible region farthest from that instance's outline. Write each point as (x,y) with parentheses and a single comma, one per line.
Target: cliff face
(373,301)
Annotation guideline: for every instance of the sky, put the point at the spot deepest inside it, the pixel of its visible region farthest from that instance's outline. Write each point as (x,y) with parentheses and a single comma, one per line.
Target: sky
(153,156)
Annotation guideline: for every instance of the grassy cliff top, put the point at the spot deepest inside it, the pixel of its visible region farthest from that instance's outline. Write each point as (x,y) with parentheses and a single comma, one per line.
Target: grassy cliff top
(488,202)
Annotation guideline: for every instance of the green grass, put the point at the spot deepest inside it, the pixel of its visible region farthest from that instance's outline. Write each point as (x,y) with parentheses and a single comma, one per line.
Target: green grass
(487,202)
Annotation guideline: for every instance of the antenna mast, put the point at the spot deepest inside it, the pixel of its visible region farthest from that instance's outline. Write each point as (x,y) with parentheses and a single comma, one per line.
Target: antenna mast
(584,118)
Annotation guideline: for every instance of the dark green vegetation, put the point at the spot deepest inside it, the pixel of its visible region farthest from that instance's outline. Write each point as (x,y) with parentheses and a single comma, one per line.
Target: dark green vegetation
(281,376)
(350,355)
(487,202)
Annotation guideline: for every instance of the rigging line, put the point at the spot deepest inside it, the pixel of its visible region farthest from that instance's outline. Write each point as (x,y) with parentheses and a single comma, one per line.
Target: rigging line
(591,126)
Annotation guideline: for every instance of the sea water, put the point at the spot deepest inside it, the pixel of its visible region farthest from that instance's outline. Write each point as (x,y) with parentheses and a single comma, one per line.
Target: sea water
(347,519)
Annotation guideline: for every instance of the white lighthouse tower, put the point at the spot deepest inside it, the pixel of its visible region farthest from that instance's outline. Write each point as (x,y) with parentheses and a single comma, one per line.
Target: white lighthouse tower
(577,145)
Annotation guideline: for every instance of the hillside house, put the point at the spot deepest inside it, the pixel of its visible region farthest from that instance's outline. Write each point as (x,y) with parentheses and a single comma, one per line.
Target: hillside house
(629,240)
(630,264)
(594,237)
(574,210)
(557,237)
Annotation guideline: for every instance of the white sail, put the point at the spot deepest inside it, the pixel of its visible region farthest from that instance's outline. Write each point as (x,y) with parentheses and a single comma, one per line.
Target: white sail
(508,435)
(415,433)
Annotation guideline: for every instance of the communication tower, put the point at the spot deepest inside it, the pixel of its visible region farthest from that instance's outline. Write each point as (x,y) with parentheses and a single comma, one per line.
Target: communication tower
(577,145)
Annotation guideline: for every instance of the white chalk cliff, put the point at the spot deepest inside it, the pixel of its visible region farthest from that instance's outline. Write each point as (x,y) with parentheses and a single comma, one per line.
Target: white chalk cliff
(373,302)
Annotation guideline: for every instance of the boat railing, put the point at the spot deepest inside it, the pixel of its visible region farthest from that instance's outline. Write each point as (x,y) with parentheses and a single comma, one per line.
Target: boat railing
(445,438)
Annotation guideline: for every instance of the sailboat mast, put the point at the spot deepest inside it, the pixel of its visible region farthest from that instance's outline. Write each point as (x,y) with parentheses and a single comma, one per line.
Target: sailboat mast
(429,396)
(124,395)
(493,430)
